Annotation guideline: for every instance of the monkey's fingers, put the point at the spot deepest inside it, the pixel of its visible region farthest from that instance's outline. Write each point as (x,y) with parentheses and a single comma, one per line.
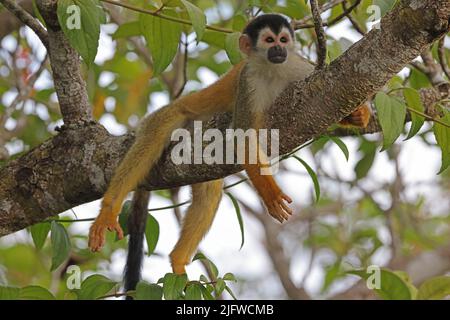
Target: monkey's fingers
(286,198)
(285,208)
(98,231)
(118,229)
(96,237)
(279,209)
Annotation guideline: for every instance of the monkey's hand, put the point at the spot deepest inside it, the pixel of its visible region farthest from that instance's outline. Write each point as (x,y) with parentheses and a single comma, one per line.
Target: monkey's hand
(274,199)
(278,208)
(106,220)
(359,118)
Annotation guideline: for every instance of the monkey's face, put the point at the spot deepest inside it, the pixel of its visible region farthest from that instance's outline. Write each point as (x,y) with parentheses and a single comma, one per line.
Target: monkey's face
(274,46)
(268,45)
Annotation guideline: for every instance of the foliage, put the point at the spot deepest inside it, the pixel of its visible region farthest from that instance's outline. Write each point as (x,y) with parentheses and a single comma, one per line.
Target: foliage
(122,85)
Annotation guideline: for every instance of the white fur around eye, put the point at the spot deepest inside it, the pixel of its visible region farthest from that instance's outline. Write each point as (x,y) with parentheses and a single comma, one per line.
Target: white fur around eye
(263,34)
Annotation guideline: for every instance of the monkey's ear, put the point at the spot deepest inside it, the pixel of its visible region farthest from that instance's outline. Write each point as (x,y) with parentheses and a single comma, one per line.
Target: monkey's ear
(245,44)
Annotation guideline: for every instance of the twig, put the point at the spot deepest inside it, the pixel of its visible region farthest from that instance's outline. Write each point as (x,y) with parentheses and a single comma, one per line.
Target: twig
(352,20)
(329,5)
(320,33)
(346,13)
(428,117)
(162,16)
(185,62)
(27,19)
(442,58)
(117,295)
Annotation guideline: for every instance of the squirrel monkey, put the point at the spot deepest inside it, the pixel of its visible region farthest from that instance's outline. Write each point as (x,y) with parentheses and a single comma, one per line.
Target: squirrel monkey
(272,64)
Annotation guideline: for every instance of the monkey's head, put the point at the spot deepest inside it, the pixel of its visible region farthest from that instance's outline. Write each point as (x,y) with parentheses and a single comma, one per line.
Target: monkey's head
(269,36)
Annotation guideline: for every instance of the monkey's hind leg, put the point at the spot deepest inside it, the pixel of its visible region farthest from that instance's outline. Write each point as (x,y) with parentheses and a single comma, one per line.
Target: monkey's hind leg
(199,217)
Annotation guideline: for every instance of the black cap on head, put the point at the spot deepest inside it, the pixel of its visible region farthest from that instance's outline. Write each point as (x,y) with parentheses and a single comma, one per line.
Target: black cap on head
(274,21)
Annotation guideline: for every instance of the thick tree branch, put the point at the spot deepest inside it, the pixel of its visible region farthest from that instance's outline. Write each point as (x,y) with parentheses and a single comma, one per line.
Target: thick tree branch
(69,84)
(75,166)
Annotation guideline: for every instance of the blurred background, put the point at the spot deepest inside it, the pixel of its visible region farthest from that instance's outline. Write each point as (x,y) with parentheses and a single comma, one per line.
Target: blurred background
(389,208)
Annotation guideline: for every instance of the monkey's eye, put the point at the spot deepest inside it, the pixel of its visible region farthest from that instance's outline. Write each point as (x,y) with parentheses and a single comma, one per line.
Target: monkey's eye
(270,40)
(284,39)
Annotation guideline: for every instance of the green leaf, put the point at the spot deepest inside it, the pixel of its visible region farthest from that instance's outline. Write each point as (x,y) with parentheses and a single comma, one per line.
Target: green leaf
(80,21)
(341,146)
(123,217)
(206,294)
(94,287)
(215,38)
(418,80)
(162,38)
(212,266)
(239,22)
(151,233)
(148,291)
(35,293)
(197,17)
(9,293)
(194,291)
(229,277)
(364,165)
(219,286)
(232,47)
(413,100)
(391,115)
(392,286)
(442,134)
(313,176)
(173,286)
(230,292)
(60,244)
(39,233)
(436,288)
(239,217)
(129,29)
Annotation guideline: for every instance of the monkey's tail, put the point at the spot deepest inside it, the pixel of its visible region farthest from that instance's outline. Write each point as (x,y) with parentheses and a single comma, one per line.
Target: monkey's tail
(136,229)
(155,132)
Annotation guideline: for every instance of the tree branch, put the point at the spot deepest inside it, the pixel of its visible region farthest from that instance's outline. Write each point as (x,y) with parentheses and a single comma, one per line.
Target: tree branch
(65,62)
(27,19)
(320,35)
(75,166)
(9,22)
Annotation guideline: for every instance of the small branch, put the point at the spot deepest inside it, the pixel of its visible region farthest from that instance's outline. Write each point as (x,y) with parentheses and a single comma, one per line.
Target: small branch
(327,6)
(330,23)
(162,16)
(352,20)
(65,62)
(434,70)
(27,19)
(442,57)
(185,62)
(321,36)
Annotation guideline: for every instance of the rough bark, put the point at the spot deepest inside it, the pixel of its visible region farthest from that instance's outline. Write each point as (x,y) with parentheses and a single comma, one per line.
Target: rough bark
(75,166)
(65,62)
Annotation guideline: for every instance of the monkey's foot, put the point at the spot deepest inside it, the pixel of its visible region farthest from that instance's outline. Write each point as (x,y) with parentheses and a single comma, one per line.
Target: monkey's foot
(278,208)
(359,118)
(98,230)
